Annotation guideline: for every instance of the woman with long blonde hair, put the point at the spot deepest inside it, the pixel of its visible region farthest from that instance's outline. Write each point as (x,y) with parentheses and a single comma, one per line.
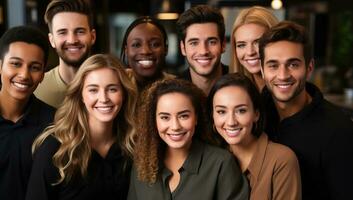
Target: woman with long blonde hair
(86,153)
(248,27)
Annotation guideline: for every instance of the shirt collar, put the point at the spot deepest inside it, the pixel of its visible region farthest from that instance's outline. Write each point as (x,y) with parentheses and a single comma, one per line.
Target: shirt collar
(258,158)
(192,162)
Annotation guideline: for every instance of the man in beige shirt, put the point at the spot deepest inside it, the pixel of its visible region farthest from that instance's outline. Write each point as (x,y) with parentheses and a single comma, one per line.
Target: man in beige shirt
(72,40)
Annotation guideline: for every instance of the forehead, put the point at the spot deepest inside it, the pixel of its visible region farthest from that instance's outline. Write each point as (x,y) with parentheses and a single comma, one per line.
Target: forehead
(69,20)
(283,50)
(232,95)
(202,30)
(145,30)
(249,32)
(25,51)
(174,102)
(102,76)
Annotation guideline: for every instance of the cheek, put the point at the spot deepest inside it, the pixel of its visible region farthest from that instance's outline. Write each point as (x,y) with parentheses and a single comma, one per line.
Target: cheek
(161,126)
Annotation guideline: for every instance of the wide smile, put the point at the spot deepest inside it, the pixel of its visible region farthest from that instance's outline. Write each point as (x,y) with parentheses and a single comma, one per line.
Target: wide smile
(284,86)
(21,86)
(73,49)
(104,109)
(204,61)
(232,132)
(176,136)
(148,63)
(253,62)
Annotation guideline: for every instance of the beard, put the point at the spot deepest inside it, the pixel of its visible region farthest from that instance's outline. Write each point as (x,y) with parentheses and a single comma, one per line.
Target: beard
(76,63)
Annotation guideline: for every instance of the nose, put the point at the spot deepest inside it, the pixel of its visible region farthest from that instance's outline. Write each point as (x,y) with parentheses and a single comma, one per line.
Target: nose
(231,119)
(145,49)
(203,48)
(103,97)
(283,73)
(71,38)
(24,72)
(175,124)
(251,49)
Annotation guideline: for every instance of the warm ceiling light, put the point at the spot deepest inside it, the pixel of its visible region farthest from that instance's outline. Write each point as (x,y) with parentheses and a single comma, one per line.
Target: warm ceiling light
(276,4)
(167,16)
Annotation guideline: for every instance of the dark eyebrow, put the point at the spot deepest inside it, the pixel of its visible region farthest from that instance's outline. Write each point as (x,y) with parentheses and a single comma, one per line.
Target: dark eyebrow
(16,58)
(221,106)
(20,59)
(293,60)
(271,61)
(192,40)
(181,112)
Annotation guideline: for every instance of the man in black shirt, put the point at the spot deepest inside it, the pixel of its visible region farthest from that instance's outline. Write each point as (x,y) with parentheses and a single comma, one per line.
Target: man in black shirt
(299,117)
(202,41)
(23,55)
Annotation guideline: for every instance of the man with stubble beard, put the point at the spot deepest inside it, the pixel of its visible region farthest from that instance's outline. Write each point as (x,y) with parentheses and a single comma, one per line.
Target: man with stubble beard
(201,33)
(72,35)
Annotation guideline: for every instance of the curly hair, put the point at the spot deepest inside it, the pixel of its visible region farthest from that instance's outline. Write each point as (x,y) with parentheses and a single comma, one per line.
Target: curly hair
(150,148)
(254,15)
(71,127)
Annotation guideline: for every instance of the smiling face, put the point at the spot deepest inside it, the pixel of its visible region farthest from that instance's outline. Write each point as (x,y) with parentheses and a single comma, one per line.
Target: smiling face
(102,95)
(203,48)
(72,39)
(145,50)
(234,115)
(246,39)
(176,120)
(285,71)
(22,69)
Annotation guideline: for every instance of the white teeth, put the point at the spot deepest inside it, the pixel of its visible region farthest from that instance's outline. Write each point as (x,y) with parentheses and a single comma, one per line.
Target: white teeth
(20,85)
(253,61)
(177,136)
(284,86)
(104,109)
(203,61)
(146,62)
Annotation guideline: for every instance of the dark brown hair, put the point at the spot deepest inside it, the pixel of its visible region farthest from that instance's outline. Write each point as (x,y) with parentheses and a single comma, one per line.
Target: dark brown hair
(286,31)
(150,148)
(242,81)
(58,6)
(198,15)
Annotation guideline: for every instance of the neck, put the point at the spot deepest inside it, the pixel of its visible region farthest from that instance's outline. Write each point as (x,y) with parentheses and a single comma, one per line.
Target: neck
(101,137)
(244,152)
(142,82)
(259,81)
(287,109)
(175,158)
(205,83)
(12,109)
(67,72)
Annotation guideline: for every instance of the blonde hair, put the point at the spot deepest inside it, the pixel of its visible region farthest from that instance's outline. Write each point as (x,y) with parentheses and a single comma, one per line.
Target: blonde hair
(253,15)
(70,126)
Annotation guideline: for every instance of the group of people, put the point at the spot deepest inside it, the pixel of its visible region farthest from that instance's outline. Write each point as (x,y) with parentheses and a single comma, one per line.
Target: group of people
(101,127)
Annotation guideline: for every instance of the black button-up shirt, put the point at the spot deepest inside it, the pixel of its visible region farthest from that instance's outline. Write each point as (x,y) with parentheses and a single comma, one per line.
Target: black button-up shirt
(15,147)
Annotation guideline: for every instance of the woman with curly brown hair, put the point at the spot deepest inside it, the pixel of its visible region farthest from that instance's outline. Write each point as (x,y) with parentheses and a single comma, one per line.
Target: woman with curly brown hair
(172,159)
(86,153)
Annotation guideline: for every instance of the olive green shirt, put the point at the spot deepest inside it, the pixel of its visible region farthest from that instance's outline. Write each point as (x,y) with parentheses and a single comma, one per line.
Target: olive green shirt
(207,173)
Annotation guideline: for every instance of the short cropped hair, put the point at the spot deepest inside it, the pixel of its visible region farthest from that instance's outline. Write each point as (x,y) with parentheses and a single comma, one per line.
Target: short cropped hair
(27,34)
(286,31)
(77,6)
(198,15)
